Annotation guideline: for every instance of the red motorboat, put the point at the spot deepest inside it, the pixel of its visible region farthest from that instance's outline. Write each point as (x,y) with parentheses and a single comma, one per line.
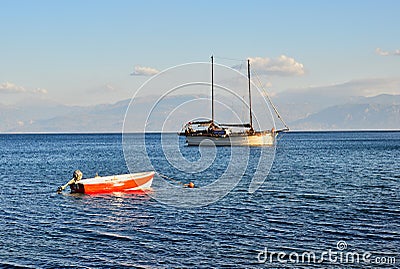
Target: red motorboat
(118,183)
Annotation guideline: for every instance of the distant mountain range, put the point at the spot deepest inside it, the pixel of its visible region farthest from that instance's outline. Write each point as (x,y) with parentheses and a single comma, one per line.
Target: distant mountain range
(354,113)
(61,118)
(352,116)
(323,113)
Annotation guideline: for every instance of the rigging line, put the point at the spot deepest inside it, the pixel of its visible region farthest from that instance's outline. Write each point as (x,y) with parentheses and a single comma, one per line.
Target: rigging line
(230,59)
(270,101)
(169,178)
(244,109)
(238,67)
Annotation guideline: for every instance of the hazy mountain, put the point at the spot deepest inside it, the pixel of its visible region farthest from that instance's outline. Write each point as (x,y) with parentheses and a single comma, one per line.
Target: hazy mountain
(25,114)
(352,116)
(383,99)
(99,118)
(324,113)
(329,112)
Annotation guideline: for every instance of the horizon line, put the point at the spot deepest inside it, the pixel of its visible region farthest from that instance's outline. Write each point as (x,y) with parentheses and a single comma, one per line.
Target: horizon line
(171,132)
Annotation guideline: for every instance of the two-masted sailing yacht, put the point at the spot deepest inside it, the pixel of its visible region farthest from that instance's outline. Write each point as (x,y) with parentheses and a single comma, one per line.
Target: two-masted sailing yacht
(209,132)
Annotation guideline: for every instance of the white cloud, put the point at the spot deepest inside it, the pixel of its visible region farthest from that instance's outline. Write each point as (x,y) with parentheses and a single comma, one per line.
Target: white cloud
(9,87)
(144,71)
(381,52)
(281,66)
(40,91)
(110,87)
(106,88)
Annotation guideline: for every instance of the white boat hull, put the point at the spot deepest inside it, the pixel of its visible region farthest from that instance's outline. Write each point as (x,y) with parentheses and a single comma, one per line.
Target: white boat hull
(258,139)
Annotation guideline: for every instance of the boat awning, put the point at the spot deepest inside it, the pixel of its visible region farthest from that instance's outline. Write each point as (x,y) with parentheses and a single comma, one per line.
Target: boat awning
(245,125)
(200,122)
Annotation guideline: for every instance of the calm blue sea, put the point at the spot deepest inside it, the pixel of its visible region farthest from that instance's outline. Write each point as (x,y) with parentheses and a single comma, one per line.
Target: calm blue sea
(326,191)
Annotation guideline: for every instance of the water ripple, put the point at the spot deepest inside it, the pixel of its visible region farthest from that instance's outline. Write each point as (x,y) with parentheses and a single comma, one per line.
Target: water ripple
(322,188)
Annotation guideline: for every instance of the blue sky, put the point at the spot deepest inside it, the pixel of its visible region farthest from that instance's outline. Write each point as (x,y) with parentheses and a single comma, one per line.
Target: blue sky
(83,52)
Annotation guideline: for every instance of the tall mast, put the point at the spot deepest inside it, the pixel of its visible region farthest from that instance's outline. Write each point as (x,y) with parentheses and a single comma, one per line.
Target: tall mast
(248,75)
(212,89)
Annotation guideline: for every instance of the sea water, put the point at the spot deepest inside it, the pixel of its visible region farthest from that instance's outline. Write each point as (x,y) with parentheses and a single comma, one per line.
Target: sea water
(330,194)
